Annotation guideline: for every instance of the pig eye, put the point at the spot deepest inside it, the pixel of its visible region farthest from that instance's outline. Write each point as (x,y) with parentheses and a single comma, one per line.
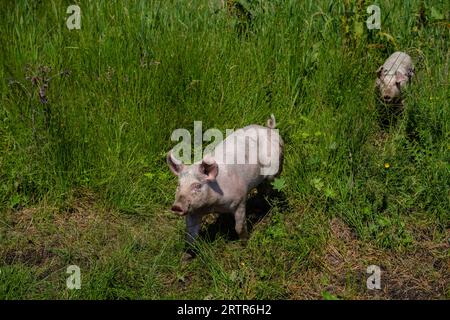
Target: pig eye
(196,186)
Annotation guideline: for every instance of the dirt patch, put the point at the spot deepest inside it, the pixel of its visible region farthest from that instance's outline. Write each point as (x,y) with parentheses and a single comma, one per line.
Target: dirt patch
(380,138)
(30,256)
(79,232)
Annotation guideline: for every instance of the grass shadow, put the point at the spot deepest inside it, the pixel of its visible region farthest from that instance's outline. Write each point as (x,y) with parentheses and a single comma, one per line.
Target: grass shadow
(257,207)
(388,115)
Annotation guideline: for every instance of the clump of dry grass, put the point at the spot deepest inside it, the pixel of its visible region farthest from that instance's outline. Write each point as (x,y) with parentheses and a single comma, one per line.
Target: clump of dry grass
(422,272)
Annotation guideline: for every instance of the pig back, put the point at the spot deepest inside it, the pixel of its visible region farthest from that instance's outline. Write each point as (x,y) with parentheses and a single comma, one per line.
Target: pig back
(248,156)
(398,61)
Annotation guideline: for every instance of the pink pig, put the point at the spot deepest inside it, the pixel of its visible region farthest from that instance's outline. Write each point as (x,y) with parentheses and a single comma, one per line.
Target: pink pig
(220,184)
(393,76)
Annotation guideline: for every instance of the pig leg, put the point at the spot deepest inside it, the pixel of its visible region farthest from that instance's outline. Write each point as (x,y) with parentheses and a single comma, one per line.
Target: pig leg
(241,223)
(193,224)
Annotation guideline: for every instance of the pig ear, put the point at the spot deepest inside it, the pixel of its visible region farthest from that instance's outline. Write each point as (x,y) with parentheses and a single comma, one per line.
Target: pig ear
(400,77)
(210,168)
(175,165)
(380,72)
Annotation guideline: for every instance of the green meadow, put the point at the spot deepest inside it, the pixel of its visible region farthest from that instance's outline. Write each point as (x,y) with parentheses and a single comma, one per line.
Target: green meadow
(86,117)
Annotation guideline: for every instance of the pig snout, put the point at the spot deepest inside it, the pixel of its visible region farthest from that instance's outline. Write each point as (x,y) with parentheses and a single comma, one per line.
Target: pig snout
(391,95)
(387,98)
(178,209)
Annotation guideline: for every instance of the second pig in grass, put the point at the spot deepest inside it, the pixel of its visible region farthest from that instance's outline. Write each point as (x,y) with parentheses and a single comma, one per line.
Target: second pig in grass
(220,182)
(393,76)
